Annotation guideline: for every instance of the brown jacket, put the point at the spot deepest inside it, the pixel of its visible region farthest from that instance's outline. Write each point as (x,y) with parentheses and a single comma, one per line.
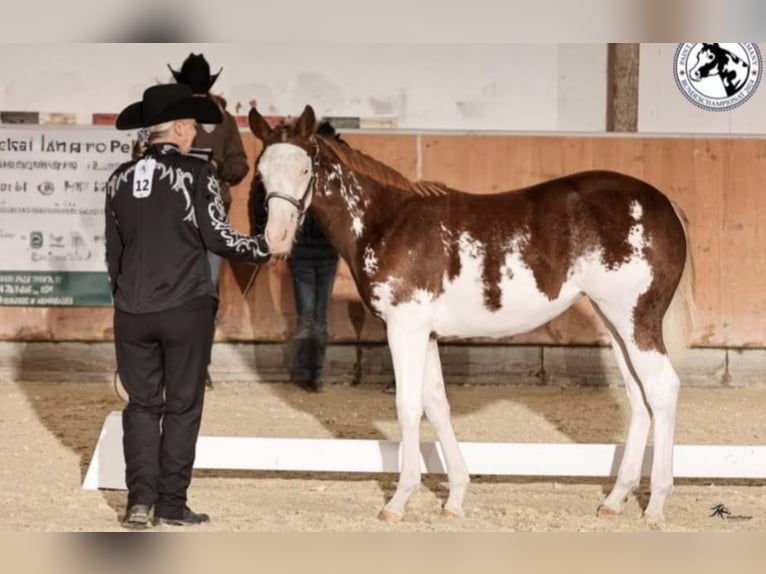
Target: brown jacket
(228,151)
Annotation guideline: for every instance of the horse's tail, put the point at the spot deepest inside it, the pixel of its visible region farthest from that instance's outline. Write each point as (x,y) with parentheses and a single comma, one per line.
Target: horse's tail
(680,317)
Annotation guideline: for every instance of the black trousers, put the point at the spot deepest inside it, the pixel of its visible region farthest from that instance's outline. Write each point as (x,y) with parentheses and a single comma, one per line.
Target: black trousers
(313,279)
(162,359)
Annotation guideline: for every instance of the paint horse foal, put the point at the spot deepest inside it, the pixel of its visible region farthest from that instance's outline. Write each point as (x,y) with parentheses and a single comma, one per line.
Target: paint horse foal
(431,261)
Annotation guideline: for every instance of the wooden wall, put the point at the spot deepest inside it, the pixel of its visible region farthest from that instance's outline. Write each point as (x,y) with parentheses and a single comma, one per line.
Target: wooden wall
(717,182)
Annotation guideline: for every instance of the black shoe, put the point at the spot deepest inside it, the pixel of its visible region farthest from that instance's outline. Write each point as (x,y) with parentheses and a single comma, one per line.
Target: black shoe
(312,386)
(137,517)
(208,381)
(316,386)
(189,518)
(390,388)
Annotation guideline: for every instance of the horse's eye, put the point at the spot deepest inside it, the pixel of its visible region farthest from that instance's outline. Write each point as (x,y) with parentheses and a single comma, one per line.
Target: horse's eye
(305,171)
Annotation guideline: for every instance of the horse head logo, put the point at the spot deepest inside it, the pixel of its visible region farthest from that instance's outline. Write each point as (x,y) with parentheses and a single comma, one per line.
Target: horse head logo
(713,60)
(717,77)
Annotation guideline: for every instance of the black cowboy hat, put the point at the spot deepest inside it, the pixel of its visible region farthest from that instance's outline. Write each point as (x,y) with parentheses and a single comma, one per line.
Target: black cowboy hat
(167,102)
(195,73)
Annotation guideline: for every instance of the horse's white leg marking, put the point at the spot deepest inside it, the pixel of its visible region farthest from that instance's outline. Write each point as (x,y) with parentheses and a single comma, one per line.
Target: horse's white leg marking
(629,474)
(437,410)
(408,329)
(661,385)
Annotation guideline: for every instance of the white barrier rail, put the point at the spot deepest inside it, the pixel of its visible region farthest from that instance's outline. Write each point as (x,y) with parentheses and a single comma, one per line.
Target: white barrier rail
(107,467)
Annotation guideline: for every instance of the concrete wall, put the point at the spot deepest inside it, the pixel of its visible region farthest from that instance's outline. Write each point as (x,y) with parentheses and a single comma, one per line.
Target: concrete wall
(558,87)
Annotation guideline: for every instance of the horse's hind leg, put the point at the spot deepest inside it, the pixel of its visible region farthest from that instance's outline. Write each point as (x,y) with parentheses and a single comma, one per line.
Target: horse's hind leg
(438,412)
(660,385)
(629,474)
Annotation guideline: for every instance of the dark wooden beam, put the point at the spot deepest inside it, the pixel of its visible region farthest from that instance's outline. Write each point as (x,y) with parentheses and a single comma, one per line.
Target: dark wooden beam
(622,88)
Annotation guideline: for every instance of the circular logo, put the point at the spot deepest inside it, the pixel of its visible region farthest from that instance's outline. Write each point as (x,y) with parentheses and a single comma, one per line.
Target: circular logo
(717,77)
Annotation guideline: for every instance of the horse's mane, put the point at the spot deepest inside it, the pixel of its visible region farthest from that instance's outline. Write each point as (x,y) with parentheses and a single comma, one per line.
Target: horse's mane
(362,163)
(719,50)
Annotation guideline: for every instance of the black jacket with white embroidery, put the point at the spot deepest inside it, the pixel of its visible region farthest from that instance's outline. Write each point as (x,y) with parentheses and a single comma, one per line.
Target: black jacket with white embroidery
(163,213)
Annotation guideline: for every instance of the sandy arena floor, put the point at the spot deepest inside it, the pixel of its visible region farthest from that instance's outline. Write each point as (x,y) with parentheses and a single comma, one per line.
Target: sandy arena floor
(49,432)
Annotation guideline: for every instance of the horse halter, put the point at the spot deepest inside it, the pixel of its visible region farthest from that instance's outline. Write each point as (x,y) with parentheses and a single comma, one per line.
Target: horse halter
(300,204)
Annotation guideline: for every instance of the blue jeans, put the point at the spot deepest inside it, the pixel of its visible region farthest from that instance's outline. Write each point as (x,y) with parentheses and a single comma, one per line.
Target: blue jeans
(215,262)
(312,285)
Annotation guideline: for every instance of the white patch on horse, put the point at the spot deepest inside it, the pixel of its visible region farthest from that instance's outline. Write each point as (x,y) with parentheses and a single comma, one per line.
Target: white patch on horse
(634,278)
(333,174)
(637,239)
(382,299)
(422,297)
(447,235)
(636,211)
(383,295)
(357,226)
(351,192)
(636,235)
(370,261)
(461,309)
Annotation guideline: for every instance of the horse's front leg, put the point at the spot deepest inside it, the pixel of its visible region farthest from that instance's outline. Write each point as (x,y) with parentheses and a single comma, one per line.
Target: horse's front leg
(438,412)
(407,339)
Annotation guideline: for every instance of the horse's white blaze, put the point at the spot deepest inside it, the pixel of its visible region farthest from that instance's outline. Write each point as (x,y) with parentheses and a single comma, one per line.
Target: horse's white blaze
(284,168)
(636,211)
(370,261)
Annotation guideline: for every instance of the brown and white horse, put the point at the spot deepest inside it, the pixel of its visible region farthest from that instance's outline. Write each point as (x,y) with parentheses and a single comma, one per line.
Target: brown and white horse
(434,262)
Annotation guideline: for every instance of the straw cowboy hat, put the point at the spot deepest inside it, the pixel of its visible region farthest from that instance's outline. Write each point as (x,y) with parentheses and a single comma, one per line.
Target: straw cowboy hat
(195,73)
(167,102)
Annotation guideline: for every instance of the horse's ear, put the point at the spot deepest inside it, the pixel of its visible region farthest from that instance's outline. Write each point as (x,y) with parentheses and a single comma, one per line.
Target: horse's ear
(304,127)
(258,125)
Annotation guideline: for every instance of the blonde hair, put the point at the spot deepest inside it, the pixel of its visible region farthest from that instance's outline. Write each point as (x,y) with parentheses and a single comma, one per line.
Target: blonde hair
(160,128)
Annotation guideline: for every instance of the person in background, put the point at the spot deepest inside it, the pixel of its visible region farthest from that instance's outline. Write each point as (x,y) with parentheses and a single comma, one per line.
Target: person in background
(313,263)
(163,213)
(222,142)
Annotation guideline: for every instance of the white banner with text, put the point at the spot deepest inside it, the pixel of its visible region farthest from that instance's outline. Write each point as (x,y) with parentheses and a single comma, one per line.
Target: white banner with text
(52,185)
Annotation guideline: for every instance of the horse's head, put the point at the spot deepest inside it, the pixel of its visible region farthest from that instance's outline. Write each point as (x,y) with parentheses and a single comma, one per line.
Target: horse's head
(287,168)
(709,58)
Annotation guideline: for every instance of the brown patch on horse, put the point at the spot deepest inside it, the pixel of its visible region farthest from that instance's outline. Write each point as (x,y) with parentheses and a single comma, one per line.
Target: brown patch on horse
(491,277)
(556,222)
(665,249)
(667,255)
(363,164)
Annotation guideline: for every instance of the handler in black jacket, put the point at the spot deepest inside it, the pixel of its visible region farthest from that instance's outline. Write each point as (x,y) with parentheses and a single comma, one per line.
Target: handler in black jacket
(163,213)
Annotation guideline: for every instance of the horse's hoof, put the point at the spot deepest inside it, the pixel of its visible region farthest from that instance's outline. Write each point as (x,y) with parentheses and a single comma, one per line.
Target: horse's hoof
(450,514)
(654,521)
(389,516)
(606,511)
